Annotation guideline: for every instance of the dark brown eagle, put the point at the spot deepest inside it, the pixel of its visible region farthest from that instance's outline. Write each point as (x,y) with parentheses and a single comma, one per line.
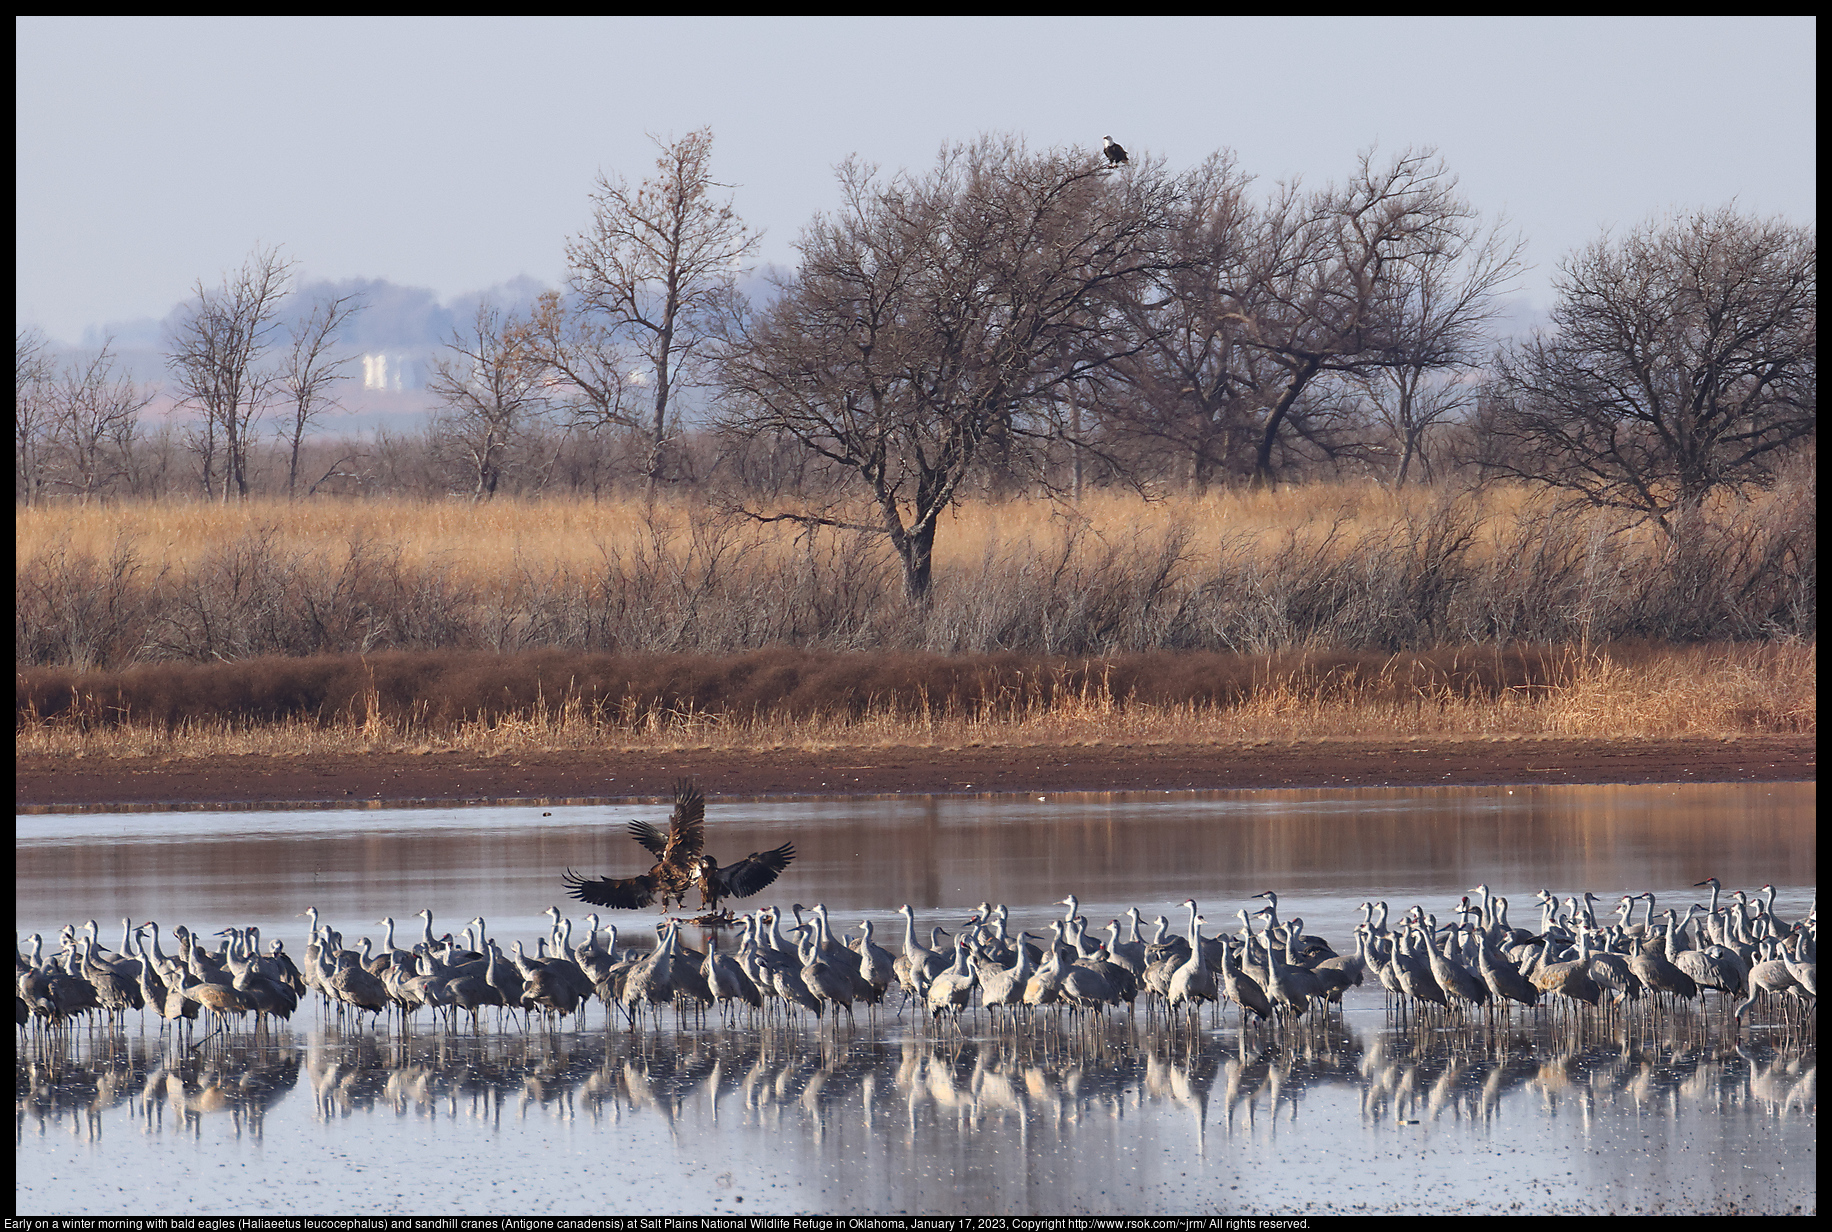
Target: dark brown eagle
(681,865)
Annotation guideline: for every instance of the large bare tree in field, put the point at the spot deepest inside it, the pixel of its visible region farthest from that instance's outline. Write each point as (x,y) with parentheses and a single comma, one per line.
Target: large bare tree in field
(1185,388)
(1328,283)
(654,274)
(933,314)
(1275,311)
(312,369)
(490,385)
(215,357)
(1680,358)
(1444,302)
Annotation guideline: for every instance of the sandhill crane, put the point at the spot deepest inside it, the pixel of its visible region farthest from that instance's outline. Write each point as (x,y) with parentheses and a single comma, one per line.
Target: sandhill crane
(1569,979)
(475,989)
(1003,988)
(1243,989)
(1046,981)
(117,993)
(1413,973)
(726,979)
(1769,975)
(1127,954)
(949,992)
(650,983)
(1711,969)
(876,965)
(829,984)
(356,987)
(1615,976)
(1346,971)
(1124,984)
(1656,973)
(1086,986)
(1192,983)
(1456,980)
(548,986)
(1504,980)
(919,964)
(1802,960)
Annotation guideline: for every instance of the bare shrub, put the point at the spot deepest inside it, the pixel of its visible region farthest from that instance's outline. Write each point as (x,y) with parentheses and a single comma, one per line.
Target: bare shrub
(78,610)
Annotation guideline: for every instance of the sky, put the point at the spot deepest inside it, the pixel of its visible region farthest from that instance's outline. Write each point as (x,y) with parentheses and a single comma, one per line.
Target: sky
(459,154)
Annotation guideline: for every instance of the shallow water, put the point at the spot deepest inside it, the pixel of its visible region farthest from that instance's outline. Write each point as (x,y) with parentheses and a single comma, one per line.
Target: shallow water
(897,1115)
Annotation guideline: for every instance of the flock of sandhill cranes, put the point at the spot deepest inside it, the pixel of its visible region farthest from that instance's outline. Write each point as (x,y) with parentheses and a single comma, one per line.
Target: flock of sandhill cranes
(1276,972)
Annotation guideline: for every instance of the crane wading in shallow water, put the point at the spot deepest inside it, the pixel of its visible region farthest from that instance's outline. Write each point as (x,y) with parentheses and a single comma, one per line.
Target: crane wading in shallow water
(681,864)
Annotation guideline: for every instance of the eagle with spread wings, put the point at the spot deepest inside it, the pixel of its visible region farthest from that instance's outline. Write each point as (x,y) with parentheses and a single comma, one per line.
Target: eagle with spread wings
(682,864)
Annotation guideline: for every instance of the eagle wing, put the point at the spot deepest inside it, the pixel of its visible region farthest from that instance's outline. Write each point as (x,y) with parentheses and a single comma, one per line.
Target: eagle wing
(649,837)
(686,827)
(753,873)
(625,892)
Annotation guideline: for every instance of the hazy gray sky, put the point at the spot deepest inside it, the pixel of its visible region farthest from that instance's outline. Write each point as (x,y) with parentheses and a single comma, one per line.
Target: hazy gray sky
(457,154)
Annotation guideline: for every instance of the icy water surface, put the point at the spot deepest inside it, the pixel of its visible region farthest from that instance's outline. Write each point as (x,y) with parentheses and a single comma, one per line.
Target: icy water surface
(895,1115)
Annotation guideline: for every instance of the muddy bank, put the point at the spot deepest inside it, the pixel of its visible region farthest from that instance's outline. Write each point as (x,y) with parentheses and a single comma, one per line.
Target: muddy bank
(462,778)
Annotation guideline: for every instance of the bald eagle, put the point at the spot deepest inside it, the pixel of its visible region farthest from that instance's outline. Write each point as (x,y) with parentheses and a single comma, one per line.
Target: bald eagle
(1115,152)
(681,865)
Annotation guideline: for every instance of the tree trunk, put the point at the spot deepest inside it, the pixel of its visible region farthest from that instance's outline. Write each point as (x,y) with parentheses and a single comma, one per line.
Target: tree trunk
(1262,461)
(918,550)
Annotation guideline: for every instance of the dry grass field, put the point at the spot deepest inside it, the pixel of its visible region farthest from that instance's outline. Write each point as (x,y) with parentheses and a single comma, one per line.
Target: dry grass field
(1329,610)
(489,540)
(1321,567)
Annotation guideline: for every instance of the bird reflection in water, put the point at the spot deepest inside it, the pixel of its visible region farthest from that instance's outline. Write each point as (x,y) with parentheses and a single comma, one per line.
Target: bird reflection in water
(1227,1080)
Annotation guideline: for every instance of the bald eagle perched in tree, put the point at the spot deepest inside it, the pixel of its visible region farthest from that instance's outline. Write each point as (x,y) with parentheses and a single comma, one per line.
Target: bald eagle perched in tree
(1115,152)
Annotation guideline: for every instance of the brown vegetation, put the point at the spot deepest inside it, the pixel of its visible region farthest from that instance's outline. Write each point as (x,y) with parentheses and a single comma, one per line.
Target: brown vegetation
(1348,567)
(795,699)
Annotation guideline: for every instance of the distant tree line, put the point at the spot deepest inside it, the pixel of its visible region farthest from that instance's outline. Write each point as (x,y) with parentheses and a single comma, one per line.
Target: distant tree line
(1008,321)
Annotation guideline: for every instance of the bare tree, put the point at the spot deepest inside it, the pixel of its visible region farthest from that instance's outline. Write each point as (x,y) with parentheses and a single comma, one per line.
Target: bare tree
(1323,297)
(490,384)
(657,266)
(312,369)
(1187,386)
(96,417)
(1247,357)
(1443,302)
(588,367)
(930,316)
(1680,359)
(216,351)
(32,371)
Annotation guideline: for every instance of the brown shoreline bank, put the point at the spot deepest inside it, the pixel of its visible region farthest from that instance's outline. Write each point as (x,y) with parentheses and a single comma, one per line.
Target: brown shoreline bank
(59,784)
